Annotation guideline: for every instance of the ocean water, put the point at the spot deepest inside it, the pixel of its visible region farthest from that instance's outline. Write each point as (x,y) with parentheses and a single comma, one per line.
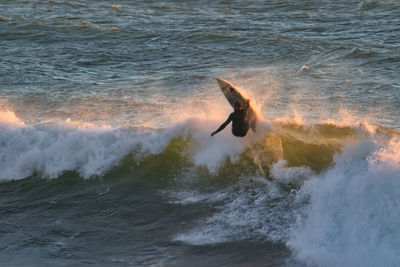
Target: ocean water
(106,110)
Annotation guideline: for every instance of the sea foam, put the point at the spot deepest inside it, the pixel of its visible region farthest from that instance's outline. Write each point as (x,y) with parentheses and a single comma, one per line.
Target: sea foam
(352,216)
(48,150)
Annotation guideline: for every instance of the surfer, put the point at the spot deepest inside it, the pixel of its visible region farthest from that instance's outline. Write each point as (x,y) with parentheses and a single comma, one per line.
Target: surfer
(239,119)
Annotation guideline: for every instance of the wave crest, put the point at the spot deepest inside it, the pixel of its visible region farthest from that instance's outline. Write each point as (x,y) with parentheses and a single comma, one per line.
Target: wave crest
(49,150)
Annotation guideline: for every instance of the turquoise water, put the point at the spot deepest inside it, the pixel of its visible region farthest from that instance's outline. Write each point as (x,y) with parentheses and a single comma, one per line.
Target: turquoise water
(106,110)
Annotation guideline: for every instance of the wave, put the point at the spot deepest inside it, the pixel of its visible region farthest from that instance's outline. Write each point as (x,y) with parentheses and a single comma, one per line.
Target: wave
(351,214)
(334,186)
(341,206)
(344,216)
(49,150)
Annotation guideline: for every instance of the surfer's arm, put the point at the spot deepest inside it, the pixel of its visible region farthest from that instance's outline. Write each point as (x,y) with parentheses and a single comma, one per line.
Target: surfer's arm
(223,125)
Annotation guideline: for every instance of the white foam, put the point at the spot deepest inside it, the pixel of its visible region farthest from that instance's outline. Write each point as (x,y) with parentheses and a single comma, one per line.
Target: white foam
(353,214)
(50,150)
(190,197)
(290,175)
(244,210)
(212,152)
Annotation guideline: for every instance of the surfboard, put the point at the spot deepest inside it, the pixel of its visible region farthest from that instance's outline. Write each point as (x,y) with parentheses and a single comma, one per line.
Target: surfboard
(232,94)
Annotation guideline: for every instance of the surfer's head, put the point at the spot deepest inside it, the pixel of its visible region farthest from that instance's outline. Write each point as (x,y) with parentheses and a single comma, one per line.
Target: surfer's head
(238,104)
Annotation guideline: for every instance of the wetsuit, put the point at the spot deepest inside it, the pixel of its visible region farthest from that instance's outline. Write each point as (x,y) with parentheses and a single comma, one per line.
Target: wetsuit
(240,122)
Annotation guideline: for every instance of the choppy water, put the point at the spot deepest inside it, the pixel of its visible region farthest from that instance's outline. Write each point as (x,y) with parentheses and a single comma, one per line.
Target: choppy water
(106,110)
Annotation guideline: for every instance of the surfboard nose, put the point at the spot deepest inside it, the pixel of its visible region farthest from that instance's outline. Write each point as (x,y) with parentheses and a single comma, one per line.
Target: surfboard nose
(221,82)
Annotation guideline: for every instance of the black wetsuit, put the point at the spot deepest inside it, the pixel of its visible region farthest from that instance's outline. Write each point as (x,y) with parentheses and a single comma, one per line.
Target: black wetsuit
(240,123)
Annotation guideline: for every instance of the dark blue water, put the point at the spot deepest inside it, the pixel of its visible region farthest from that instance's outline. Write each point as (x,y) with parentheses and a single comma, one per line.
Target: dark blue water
(106,110)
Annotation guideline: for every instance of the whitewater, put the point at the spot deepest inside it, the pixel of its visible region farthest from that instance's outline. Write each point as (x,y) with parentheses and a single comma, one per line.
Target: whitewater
(106,111)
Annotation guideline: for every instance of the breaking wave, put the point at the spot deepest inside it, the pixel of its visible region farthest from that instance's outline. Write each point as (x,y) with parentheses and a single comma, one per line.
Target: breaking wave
(323,190)
(282,151)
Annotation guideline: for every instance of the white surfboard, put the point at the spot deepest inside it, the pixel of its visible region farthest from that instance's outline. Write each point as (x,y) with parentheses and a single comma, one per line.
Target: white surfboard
(232,94)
